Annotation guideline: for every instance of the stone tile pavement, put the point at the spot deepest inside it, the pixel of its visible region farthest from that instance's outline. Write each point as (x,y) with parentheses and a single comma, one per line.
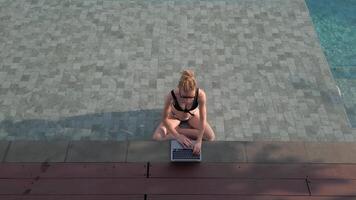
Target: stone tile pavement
(99,69)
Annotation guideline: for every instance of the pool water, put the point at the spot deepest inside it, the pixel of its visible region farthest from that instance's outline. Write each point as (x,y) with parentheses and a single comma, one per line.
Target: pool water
(335,24)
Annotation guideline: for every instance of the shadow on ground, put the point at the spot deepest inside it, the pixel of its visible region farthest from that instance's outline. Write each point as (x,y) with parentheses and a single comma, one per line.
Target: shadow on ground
(120,126)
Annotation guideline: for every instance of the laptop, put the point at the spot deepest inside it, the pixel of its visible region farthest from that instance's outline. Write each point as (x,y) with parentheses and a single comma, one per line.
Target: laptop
(181,154)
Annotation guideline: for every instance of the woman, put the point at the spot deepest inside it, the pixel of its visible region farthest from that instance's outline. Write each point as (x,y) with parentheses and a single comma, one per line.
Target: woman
(185,103)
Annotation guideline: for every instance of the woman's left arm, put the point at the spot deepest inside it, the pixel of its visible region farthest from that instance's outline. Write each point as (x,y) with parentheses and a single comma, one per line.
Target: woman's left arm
(202,114)
(202,124)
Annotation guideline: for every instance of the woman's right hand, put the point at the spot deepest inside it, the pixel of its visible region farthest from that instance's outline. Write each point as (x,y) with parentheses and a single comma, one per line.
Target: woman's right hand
(184,141)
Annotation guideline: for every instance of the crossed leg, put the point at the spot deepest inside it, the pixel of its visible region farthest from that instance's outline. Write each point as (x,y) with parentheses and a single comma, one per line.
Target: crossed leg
(161,132)
(193,132)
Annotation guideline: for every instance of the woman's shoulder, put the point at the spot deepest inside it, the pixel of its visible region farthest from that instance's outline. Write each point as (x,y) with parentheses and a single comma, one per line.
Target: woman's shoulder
(169,95)
(201,94)
(175,92)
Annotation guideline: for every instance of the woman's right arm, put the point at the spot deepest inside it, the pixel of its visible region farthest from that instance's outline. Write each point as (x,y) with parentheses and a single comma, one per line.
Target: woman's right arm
(167,109)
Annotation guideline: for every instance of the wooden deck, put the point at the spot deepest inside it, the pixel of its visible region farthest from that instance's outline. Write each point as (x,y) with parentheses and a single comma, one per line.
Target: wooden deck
(167,181)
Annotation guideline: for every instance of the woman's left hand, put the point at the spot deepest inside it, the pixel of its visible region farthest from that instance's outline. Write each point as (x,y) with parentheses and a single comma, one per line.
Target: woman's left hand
(197,148)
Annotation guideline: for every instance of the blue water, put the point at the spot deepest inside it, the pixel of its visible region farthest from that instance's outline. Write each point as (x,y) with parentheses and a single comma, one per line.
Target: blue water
(335,23)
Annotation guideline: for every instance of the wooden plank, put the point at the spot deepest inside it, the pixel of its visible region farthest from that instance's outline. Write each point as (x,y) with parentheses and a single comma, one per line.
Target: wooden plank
(65,170)
(227,186)
(331,171)
(165,197)
(91,170)
(235,197)
(170,186)
(69,197)
(11,197)
(14,186)
(84,186)
(227,170)
(336,187)
(18,170)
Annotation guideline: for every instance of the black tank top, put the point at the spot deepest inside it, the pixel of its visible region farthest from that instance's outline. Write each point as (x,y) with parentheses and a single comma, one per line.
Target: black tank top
(194,106)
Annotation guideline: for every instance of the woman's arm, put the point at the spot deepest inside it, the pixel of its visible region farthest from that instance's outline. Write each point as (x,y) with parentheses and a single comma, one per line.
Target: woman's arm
(202,124)
(166,111)
(202,114)
(181,138)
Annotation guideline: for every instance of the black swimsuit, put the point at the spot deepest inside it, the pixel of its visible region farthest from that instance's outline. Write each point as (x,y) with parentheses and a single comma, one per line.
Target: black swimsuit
(194,106)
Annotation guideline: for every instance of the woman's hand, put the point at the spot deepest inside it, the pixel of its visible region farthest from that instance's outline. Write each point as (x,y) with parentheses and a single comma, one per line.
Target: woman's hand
(184,141)
(197,148)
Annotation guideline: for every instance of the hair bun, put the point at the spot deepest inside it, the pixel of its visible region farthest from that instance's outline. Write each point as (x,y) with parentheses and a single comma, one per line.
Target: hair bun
(188,73)
(187,80)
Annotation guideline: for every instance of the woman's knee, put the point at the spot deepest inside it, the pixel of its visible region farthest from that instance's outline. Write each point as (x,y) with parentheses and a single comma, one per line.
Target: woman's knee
(157,136)
(210,137)
(160,132)
(209,134)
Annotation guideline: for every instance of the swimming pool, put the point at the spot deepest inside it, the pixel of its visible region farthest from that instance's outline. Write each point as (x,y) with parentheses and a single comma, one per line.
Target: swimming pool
(335,24)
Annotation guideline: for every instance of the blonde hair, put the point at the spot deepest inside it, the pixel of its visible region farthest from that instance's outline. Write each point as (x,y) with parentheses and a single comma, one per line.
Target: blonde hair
(187,81)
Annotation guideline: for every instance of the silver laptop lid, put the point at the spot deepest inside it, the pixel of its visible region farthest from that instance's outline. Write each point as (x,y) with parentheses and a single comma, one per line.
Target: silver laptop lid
(181,154)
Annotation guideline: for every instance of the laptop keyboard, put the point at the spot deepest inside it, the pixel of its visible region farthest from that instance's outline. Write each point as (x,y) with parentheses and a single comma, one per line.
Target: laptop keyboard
(184,154)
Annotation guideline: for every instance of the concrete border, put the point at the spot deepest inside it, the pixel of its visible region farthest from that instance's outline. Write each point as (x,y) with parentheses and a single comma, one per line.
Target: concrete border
(4,147)
(334,152)
(36,151)
(276,152)
(96,151)
(152,151)
(148,151)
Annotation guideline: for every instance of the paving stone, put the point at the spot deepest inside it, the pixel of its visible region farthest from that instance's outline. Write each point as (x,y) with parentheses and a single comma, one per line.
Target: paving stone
(261,58)
(37,151)
(331,152)
(144,151)
(3,147)
(223,151)
(97,151)
(280,152)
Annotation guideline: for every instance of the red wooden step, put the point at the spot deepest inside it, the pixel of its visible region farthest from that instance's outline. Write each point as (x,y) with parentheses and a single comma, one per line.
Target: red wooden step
(336,187)
(166,197)
(227,170)
(170,186)
(65,170)
(91,170)
(14,186)
(331,171)
(89,186)
(242,197)
(227,186)
(74,197)
(18,170)
(11,197)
